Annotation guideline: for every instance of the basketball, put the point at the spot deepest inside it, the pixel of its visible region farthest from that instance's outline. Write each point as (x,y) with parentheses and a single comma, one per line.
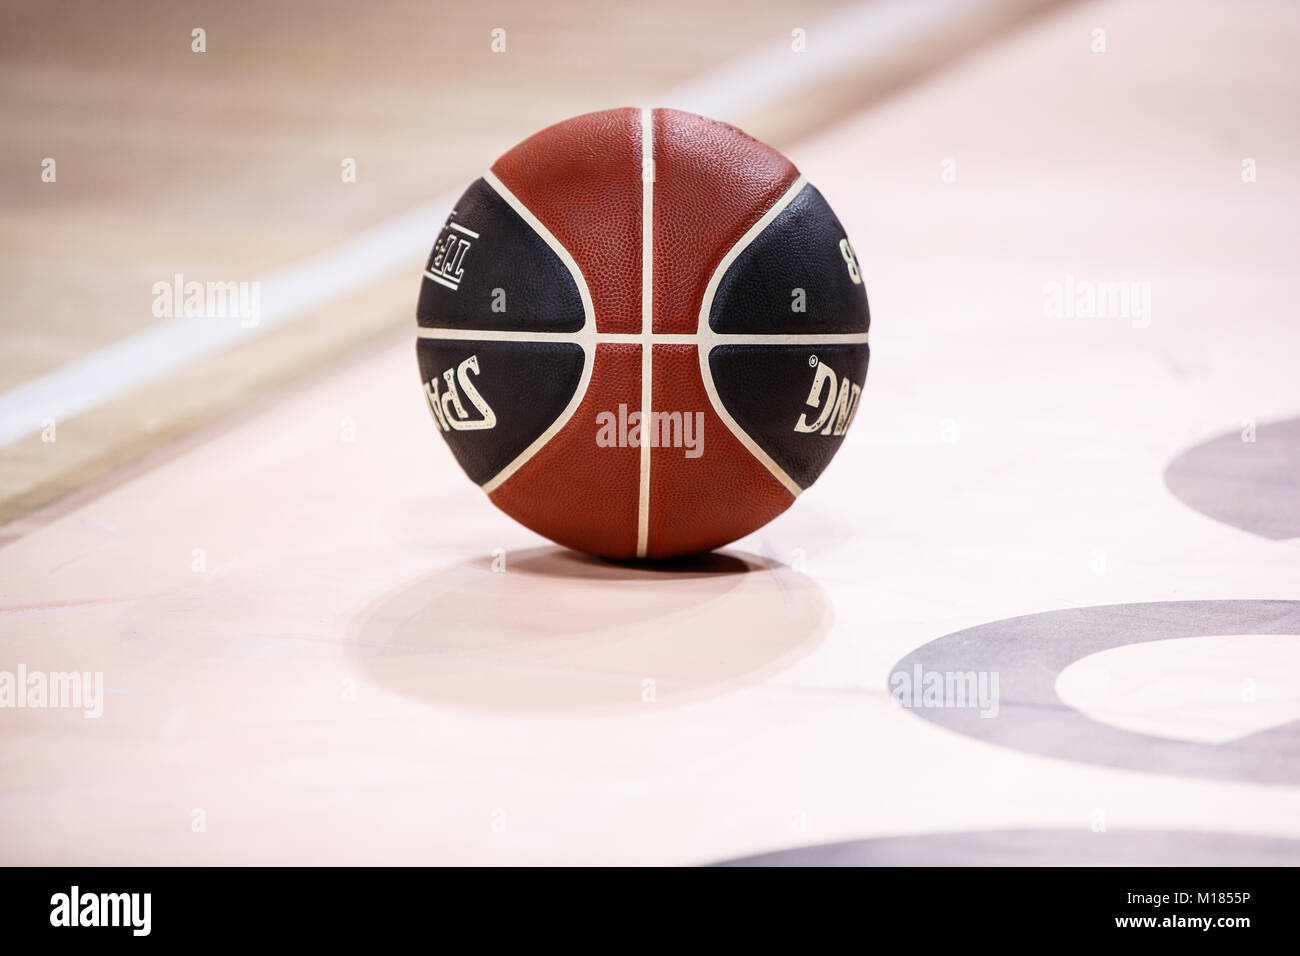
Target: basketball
(642,333)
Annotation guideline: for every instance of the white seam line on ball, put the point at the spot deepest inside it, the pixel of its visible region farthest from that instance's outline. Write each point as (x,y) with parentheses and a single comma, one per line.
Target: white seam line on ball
(585,336)
(647,322)
(709,339)
(658,338)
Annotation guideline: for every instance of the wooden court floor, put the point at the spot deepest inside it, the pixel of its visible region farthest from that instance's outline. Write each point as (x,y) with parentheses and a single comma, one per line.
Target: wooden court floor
(322,644)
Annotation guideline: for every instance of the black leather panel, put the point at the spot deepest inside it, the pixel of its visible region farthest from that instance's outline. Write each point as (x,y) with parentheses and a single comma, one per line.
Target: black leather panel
(797,276)
(795,401)
(493,271)
(501,396)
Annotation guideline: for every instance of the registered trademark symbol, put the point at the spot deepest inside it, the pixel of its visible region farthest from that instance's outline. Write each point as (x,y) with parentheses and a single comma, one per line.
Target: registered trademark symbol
(812,361)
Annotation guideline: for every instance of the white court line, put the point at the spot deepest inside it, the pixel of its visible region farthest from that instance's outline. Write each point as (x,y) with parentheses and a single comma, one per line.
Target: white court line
(161,349)
(857,35)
